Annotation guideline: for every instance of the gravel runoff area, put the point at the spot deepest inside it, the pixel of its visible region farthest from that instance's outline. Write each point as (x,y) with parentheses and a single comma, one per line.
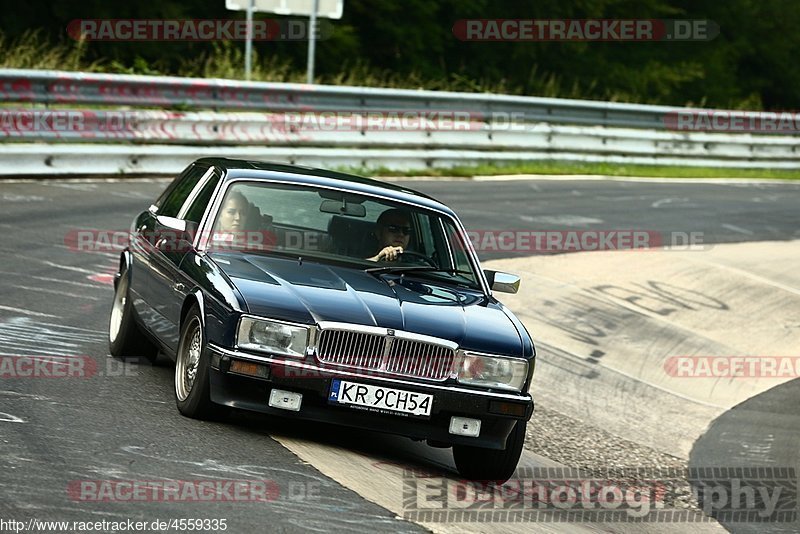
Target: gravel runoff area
(599,455)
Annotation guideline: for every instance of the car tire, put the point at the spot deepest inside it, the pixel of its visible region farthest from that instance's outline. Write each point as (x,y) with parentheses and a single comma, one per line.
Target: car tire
(126,340)
(490,465)
(192,386)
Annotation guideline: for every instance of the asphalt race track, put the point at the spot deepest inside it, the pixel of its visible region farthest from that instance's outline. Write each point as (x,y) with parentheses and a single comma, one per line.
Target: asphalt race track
(606,324)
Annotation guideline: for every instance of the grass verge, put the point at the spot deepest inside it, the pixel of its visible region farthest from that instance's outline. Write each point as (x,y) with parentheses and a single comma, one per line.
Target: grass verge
(600,169)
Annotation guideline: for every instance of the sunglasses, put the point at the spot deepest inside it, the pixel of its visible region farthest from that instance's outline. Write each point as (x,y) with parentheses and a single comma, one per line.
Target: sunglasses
(397,229)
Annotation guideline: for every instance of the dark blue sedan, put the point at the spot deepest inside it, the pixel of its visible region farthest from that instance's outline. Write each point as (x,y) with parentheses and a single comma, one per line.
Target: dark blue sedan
(329,297)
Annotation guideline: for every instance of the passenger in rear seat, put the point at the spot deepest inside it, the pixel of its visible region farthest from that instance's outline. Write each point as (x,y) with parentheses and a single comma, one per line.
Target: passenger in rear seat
(393,231)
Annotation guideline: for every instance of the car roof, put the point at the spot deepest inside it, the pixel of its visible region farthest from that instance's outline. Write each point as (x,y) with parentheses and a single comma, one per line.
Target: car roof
(255,170)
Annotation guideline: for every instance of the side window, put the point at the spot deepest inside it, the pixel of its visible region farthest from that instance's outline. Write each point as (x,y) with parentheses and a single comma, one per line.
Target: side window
(159,203)
(177,195)
(457,247)
(423,234)
(194,212)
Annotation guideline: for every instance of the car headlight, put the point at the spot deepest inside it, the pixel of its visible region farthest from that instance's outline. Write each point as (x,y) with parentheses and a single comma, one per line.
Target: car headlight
(493,371)
(272,337)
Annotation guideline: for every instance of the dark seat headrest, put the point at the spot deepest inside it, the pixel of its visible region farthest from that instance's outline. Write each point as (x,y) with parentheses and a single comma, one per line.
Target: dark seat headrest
(350,236)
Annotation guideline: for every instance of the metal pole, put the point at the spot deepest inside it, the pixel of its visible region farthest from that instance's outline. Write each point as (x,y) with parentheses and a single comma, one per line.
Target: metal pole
(248,43)
(312,42)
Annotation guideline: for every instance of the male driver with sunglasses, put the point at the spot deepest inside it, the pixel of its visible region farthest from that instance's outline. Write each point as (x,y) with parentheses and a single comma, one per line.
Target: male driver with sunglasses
(393,230)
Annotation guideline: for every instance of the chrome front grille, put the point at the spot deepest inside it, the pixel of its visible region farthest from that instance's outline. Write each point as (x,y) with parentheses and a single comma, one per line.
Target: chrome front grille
(396,355)
(423,360)
(353,349)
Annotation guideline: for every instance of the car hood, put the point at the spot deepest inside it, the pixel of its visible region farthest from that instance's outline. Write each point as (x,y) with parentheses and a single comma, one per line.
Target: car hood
(309,292)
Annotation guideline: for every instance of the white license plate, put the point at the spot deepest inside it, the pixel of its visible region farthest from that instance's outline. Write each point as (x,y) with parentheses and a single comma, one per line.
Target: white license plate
(380,399)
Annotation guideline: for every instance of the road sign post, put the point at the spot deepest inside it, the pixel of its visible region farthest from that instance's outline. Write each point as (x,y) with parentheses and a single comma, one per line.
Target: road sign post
(331,9)
(312,42)
(248,44)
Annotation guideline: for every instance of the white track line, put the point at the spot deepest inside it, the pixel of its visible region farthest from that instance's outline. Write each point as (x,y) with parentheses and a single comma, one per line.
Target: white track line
(27,312)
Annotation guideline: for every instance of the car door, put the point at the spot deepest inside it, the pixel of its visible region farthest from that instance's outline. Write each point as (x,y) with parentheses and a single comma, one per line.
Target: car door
(143,239)
(170,235)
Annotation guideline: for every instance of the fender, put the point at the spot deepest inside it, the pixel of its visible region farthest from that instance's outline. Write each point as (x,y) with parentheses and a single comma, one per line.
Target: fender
(125,262)
(195,297)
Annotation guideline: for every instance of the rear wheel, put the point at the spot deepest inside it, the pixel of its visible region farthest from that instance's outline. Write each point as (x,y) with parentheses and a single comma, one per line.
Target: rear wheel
(490,465)
(126,341)
(192,387)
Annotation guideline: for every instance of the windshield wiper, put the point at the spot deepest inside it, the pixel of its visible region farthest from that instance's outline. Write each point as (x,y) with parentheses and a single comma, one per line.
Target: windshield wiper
(414,268)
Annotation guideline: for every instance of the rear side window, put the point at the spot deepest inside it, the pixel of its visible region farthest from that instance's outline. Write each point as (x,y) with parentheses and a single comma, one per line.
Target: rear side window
(178,193)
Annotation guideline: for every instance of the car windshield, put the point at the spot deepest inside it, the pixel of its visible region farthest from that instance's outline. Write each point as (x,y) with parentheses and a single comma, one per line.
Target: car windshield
(376,235)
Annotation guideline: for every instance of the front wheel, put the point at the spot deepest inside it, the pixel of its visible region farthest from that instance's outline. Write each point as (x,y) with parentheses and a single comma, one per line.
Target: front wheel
(192,387)
(490,465)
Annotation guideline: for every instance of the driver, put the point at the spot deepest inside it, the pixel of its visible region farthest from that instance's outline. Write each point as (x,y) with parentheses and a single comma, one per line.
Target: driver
(393,230)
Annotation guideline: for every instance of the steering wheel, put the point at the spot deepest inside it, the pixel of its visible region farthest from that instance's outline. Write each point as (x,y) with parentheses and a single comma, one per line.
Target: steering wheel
(419,256)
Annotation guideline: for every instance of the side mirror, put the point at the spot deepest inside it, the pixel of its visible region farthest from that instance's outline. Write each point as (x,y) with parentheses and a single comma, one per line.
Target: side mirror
(502,282)
(172,223)
(175,234)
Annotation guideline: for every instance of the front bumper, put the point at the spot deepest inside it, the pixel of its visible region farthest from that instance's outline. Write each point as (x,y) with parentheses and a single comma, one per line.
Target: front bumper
(252,393)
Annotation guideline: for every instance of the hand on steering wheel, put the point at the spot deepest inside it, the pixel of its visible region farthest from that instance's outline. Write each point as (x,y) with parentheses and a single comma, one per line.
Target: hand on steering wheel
(389,253)
(420,256)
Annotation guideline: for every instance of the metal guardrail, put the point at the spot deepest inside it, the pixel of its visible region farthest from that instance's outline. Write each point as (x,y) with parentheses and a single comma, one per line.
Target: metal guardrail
(57,87)
(20,159)
(261,120)
(273,129)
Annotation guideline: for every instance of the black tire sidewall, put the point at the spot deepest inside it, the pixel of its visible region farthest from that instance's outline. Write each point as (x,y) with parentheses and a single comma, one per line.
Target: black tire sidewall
(488,464)
(197,403)
(122,344)
(130,344)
